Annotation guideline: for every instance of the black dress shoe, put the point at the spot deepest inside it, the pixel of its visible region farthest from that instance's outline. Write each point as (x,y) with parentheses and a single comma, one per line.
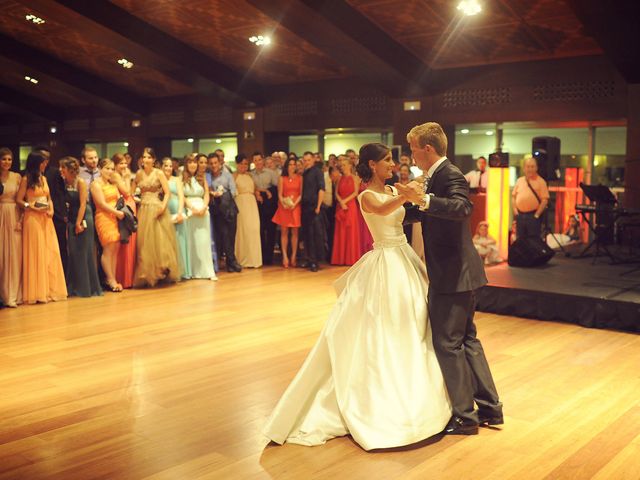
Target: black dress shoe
(304,265)
(458,426)
(230,268)
(314,267)
(237,267)
(490,418)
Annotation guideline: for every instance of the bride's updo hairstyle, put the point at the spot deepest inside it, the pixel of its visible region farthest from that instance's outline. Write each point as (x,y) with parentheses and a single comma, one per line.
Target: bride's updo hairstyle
(370,151)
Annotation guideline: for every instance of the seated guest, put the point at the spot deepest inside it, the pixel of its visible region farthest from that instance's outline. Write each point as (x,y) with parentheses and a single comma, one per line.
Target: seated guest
(10,233)
(530,199)
(478,178)
(82,271)
(486,246)
(105,194)
(289,211)
(42,273)
(571,236)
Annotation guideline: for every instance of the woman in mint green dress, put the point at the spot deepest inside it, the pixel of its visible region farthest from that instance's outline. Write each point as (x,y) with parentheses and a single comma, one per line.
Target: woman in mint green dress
(198,226)
(176,210)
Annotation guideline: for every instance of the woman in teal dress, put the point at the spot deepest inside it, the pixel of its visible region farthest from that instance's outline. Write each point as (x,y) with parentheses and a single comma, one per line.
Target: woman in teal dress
(196,199)
(82,272)
(176,210)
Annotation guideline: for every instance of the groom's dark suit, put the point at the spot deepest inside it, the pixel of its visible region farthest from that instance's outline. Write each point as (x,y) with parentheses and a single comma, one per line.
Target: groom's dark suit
(455,272)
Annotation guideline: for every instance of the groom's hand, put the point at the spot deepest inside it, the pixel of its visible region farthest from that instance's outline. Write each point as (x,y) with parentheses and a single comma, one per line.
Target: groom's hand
(412,191)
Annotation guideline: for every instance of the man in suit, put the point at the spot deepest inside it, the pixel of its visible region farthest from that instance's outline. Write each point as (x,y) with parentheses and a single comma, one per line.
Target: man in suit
(455,272)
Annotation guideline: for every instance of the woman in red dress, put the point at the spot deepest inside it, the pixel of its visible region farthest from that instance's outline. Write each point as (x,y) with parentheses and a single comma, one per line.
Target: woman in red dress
(126,262)
(288,213)
(346,238)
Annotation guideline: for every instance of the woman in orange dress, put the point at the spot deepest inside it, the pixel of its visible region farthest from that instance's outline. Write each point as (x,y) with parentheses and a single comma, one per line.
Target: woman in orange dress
(105,195)
(10,233)
(42,273)
(289,210)
(346,237)
(126,262)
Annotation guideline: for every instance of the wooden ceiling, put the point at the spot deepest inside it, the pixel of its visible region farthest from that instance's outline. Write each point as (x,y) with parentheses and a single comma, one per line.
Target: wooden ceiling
(182,48)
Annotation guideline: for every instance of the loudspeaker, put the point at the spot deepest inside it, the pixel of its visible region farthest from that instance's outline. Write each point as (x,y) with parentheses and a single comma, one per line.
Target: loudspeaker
(529,252)
(546,150)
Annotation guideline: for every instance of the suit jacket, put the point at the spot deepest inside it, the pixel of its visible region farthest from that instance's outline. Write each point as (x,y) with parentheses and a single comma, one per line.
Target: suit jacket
(58,192)
(452,261)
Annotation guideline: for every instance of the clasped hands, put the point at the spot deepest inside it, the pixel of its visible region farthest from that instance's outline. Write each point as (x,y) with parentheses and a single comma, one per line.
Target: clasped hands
(412,191)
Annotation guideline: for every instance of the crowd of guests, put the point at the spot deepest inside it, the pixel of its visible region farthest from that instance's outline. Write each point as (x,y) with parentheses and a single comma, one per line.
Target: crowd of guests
(80,226)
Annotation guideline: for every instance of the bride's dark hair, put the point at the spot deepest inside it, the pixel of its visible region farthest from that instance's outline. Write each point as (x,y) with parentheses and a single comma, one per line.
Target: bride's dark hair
(370,151)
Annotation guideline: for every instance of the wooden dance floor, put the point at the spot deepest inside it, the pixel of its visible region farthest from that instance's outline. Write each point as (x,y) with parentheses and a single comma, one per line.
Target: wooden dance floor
(176,383)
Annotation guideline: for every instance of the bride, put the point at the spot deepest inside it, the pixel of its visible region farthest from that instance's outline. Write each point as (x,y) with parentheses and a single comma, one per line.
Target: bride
(373,372)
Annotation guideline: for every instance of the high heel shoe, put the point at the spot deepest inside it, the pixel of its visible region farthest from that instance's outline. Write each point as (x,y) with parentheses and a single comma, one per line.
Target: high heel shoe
(285,262)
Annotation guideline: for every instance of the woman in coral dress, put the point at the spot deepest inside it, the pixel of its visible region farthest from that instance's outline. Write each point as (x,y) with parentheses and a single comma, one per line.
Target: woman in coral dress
(42,273)
(105,194)
(10,233)
(289,210)
(157,255)
(126,262)
(346,238)
(248,246)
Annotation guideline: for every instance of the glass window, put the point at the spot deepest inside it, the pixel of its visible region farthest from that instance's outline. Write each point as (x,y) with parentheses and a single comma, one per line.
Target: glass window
(303,143)
(229,145)
(180,148)
(338,143)
(610,153)
(117,147)
(25,150)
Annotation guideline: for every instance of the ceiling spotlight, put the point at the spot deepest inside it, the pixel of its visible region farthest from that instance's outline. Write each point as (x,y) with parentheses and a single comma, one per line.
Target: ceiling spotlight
(126,144)
(125,63)
(464,131)
(190,140)
(34,19)
(35,81)
(470,7)
(489,132)
(260,40)
(218,140)
(136,123)
(53,129)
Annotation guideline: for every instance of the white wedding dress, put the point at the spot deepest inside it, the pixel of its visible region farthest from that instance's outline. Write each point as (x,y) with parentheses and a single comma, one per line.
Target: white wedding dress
(373,372)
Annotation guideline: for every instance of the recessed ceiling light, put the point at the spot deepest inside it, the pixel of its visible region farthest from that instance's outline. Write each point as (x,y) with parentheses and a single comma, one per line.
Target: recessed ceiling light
(35,81)
(489,132)
(470,7)
(53,129)
(125,63)
(135,123)
(126,144)
(260,40)
(218,140)
(34,19)
(190,140)
(464,131)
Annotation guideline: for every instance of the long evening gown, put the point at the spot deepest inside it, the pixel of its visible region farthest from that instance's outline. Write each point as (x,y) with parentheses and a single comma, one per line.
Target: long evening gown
(198,234)
(373,372)
(157,252)
(82,269)
(10,244)
(181,228)
(126,263)
(248,246)
(346,236)
(43,276)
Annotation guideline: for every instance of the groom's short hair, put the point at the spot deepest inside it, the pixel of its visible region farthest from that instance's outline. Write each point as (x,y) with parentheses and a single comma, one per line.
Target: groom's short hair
(430,133)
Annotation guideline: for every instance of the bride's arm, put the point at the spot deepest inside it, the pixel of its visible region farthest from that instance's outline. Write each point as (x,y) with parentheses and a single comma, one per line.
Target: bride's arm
(371,204)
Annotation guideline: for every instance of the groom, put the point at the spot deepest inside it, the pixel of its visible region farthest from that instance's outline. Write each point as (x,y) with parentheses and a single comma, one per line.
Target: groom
(455,272)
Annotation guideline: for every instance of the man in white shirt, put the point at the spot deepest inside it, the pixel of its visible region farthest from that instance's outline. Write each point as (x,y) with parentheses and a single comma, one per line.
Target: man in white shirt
(478,178)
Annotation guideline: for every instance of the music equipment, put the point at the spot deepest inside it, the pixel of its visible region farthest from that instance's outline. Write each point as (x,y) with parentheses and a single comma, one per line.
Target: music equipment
(529,252)
(546,150)
(499,160)
(618,211)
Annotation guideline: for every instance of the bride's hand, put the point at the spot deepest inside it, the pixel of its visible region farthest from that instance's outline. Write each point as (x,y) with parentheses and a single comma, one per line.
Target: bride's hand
(410,192)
